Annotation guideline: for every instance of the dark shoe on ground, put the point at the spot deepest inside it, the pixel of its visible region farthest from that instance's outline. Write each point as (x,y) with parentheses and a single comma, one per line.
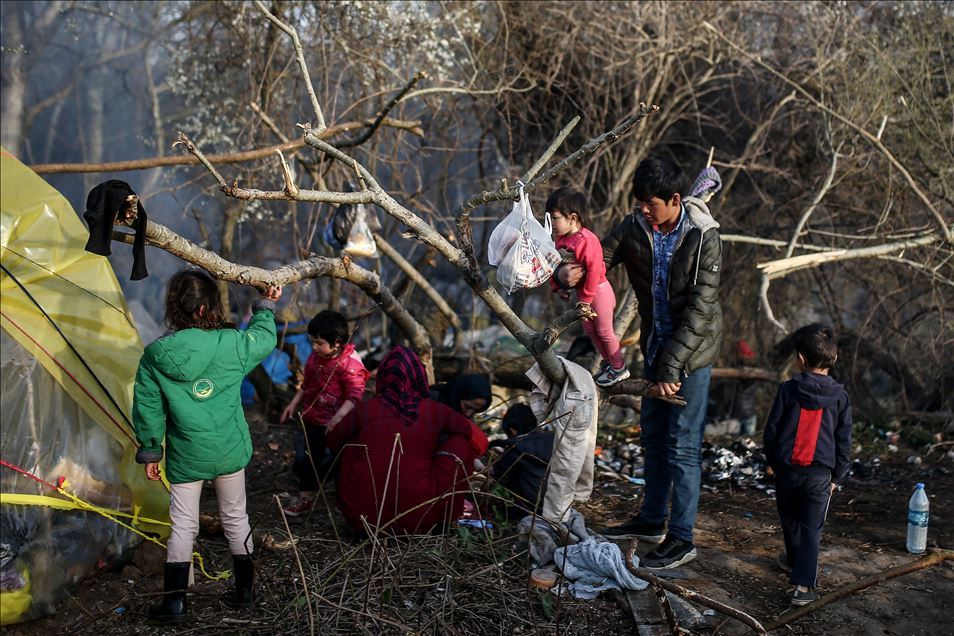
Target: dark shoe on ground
(636,528)
(173,607)
(804,598)
(672,553)
(611,376)
(782,562)
(243,571)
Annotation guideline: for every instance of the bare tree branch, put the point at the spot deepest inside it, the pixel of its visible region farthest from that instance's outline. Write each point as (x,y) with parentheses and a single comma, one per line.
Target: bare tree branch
(782,267)
(412,273)
(688,594)
(587,149)
(946,231)
(412,126)
(366,135)
(162,237)
(291,191)
(464,230)
(818,197)
(936,557)
(767,306)
(300,55)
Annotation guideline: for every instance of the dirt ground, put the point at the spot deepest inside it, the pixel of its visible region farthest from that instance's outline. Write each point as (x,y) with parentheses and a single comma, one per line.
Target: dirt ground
(739,537)
(454,584)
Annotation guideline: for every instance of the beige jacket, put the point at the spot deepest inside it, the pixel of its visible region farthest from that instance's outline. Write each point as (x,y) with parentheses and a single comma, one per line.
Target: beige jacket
(573,412)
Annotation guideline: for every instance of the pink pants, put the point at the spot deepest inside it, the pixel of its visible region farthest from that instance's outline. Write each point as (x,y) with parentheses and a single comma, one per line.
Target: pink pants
(600,329)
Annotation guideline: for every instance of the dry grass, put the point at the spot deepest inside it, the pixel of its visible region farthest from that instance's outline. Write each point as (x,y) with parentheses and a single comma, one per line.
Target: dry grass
(335,581)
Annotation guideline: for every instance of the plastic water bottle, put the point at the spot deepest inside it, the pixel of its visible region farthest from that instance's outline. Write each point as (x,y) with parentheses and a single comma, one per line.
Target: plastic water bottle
(918,521)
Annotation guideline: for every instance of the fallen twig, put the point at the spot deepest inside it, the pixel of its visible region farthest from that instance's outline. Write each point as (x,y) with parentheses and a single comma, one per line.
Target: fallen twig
(937,556)
(689,595)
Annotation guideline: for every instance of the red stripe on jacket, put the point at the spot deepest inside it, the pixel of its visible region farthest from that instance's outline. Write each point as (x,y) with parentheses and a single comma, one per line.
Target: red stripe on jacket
(806,436)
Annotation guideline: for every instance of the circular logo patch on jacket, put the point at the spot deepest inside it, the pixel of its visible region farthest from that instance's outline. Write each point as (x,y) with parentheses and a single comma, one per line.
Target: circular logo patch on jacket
(202,388)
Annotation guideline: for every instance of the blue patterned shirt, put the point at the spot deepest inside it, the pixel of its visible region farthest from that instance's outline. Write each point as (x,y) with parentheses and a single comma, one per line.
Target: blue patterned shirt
(663,247)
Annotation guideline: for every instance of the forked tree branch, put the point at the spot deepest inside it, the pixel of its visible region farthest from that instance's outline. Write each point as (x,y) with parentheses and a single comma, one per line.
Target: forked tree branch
(587,149)
(466,265)
(689,595)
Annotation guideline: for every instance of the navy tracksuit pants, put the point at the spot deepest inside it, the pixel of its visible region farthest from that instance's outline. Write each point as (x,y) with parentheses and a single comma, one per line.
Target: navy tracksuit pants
(802,499)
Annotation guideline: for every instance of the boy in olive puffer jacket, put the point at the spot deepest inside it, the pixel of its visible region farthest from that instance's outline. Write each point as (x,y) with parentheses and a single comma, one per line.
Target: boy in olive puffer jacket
(672,252)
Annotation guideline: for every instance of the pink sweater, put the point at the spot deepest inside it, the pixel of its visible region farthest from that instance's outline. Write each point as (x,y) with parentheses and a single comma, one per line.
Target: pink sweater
(588,252)
(329,383)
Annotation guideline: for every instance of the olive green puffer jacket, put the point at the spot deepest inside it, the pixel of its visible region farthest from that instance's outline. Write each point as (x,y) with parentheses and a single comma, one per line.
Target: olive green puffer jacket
(693,287)
(188,392)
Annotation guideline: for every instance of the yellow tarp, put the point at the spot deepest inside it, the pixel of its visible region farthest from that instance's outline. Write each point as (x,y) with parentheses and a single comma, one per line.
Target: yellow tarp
(43,243)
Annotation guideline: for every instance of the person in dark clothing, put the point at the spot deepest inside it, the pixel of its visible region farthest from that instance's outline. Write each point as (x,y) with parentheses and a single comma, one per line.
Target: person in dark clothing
(522,468)
(808,446)
(468,394)
(672,253)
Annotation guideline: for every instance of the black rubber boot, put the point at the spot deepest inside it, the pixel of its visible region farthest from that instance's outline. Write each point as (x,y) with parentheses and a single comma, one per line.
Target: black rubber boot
(173,608)
(243,570)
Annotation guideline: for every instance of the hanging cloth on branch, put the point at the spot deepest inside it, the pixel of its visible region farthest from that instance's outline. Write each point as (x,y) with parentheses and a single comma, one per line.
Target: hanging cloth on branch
(103,205)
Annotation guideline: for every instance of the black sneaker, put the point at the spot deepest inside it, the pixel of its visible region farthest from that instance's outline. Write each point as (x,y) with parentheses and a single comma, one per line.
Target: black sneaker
(804,598)
(636,528)
(783,563)
(673,552)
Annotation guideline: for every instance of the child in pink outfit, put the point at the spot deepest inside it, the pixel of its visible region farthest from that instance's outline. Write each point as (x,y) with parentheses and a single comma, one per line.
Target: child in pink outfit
(332,386)
(567,209)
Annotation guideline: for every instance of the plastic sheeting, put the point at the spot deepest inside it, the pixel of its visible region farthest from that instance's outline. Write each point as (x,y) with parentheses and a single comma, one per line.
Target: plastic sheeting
(69,357)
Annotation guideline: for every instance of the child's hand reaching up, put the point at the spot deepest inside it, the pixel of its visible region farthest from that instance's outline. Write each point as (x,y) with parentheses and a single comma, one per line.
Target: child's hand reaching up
(272,292)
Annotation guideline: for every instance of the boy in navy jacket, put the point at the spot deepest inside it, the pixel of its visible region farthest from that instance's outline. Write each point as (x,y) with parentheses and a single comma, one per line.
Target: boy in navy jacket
(808,445)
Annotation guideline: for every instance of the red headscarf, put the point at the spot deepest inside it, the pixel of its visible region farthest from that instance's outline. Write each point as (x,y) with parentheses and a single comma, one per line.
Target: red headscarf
(402,383)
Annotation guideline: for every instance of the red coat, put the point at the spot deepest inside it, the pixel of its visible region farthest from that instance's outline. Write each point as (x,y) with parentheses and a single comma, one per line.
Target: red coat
(330,382)
(415,463)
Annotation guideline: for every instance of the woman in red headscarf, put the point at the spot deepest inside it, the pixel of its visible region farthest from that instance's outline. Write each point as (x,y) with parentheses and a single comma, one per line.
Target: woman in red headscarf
(404,458)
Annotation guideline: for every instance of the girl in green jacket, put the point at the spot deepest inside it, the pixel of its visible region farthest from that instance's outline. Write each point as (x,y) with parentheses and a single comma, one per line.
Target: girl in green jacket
(187,393)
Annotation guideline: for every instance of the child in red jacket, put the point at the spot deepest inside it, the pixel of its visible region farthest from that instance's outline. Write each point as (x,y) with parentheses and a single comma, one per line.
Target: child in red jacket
(567,209)
(333,385)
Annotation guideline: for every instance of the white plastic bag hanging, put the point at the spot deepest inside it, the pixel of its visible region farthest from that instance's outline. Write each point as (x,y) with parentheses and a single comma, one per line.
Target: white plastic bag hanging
(530,258)
(505,234)
(360,239)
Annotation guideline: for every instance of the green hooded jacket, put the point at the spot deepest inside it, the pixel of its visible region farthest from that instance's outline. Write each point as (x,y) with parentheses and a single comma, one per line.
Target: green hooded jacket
(188,392)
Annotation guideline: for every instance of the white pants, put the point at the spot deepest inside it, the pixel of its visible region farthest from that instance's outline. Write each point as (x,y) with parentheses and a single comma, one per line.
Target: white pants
(184,514)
